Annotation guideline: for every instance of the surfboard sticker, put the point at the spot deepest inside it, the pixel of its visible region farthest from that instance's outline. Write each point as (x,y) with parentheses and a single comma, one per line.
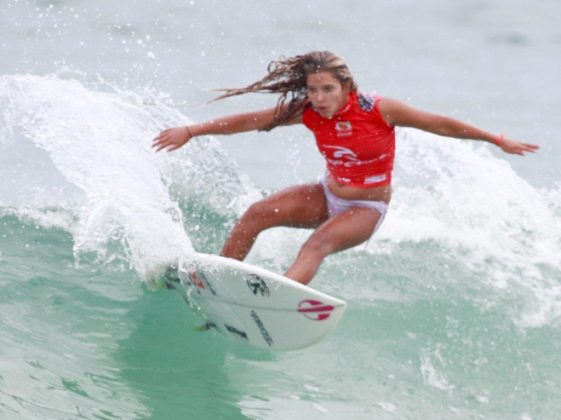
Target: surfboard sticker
(315,309)
(255,306)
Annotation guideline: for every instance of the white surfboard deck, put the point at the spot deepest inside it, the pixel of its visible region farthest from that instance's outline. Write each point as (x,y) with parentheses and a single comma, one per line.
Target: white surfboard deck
(255,306)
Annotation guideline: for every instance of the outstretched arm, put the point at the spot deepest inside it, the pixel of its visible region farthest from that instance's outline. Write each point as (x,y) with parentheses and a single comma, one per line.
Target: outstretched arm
(399,114)
(174,138)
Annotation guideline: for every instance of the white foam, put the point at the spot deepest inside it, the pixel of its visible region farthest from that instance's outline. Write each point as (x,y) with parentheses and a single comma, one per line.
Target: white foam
(458,194)
(99,143)
(387,406)
(431,375)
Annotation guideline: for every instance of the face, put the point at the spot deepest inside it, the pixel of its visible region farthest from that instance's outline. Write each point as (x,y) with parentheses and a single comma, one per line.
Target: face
(326,93)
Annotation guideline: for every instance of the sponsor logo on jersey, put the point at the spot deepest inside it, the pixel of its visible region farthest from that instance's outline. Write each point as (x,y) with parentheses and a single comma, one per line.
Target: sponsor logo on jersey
(341,154)
(374,179)
(344,128)
(315,309)
(366,102)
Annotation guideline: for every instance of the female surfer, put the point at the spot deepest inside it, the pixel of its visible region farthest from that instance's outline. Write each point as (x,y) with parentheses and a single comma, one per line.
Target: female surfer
(355,134)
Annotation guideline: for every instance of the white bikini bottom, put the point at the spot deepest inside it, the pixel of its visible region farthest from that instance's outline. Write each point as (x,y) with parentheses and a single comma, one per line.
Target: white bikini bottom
(336,205)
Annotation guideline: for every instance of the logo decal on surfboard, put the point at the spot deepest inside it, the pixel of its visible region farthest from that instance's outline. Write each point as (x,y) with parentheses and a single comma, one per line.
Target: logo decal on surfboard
(257,285)
(264,333)
(242,309)
(315,309)
(236,332)
(200,281)
(197,280)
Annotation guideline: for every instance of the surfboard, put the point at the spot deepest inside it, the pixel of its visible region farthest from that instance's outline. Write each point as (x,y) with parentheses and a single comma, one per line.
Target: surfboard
(252,305)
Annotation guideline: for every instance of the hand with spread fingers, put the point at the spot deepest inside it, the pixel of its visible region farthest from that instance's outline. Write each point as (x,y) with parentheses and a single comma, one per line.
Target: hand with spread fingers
(172,139)
(516,147)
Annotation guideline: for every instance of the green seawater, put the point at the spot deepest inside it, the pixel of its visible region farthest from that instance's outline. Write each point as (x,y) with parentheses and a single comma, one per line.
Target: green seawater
(94,342)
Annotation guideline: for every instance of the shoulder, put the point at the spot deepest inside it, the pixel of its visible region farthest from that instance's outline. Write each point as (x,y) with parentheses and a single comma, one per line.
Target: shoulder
(398,113)
(392,109)
(377,106)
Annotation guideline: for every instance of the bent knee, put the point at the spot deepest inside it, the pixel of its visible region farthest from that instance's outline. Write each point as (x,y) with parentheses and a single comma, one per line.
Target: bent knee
(318,245)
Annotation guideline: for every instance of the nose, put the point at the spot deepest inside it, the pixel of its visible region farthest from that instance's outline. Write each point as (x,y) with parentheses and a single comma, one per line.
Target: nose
(319,97)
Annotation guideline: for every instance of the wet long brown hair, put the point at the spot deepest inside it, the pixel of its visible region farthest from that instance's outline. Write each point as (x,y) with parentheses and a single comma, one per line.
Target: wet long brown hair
(288,76)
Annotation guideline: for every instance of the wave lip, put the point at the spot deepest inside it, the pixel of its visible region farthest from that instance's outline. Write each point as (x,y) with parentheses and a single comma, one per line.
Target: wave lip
(96,147)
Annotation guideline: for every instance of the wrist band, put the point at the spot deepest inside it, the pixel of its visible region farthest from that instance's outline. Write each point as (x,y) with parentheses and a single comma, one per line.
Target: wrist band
(499,139)
(188,132)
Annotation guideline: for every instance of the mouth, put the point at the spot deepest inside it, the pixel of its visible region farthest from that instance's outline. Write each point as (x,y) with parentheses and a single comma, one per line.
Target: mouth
(325,112)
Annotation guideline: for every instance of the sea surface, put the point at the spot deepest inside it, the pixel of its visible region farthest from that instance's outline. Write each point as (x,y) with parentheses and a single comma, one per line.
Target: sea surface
(454,305)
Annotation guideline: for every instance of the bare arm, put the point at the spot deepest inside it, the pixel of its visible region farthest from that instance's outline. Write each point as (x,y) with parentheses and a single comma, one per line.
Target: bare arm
(233,124)
(174,138)
(399,114)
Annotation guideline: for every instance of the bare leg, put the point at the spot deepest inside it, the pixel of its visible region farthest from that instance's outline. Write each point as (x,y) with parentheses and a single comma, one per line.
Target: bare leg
(340,232)
(301,206)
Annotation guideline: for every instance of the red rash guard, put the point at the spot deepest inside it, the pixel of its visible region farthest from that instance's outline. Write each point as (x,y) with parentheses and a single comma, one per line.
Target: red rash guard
(357,143)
